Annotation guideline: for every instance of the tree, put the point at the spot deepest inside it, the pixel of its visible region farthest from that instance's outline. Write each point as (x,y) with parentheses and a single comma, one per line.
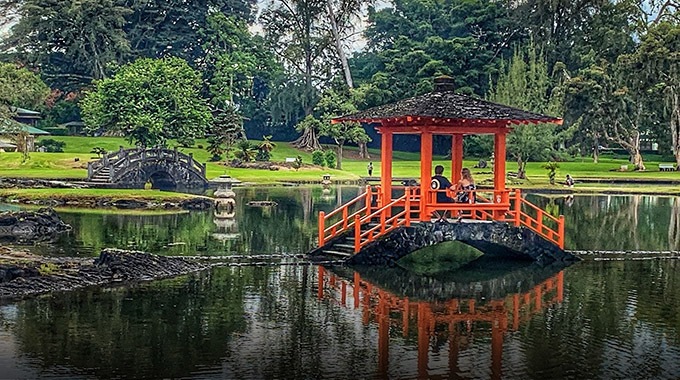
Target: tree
(337,103)
(71,41)
(296,32)
(656,63)
(237,67)
(527,85)
(149,101)
(20,87)
(227,128)
(162,28)
(608,106)
(309,127)
(245,151)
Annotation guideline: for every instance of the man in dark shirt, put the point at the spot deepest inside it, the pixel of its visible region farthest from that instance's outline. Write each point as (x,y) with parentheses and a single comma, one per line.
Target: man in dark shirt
(440,183)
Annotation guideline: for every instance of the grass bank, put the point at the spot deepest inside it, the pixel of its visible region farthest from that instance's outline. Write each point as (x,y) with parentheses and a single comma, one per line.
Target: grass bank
(72,163)
(94,194)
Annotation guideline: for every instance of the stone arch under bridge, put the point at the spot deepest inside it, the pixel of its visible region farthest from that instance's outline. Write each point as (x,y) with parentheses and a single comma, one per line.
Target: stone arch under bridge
(132,168)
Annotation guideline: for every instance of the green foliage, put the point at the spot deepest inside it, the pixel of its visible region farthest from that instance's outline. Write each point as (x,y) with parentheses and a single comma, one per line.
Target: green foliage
(526,84)
(245,151)
(72,41)
(149,101)
(99,151)
(330,157)
(297,164)
(19,87)
(266,145)
(52,146)
(47,269)
(318,158)
(225,131)
(414,41)
(551,167)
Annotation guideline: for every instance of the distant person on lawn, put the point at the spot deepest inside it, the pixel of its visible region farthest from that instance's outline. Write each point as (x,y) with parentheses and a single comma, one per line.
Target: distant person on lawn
(569,181)
(370,169)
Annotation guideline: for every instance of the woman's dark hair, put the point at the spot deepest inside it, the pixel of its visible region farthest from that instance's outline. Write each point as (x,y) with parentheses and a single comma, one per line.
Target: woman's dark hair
(438,170)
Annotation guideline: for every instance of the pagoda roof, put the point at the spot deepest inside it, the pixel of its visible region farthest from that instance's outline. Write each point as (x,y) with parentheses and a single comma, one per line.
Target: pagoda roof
(442,108)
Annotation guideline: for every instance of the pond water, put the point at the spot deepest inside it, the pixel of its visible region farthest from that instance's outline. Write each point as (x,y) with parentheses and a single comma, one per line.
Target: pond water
(594,319)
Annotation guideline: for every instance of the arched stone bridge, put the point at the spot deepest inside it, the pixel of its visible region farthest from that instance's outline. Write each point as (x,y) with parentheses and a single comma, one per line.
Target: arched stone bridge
(494,239)
(132,168)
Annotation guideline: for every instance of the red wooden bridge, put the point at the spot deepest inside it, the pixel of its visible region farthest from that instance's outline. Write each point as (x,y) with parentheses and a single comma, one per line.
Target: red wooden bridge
(460,316)
(380,210)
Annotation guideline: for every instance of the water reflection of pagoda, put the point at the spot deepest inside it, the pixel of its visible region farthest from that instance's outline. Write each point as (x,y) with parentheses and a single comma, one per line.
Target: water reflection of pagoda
(453,320)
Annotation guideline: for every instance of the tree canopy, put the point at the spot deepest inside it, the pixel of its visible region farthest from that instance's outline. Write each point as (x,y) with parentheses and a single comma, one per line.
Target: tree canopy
(149,101)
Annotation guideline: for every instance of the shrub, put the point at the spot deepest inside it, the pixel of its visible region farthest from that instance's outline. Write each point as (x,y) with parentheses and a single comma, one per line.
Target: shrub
(318,158)
(263,155)
(99,151)
(330,158)
(57,131)
(551,167)
(52,146)
(298,162)
(216,158)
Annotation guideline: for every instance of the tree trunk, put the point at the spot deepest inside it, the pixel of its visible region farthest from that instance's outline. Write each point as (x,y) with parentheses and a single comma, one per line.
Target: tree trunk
(635,156)
(675,127)
(363,150)
(339,161)
(596,152)
(338,45)
(521,168)
(308,141)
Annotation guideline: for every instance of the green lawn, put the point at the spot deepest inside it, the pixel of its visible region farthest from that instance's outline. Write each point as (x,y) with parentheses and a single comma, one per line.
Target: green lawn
(73,164)
(113,194)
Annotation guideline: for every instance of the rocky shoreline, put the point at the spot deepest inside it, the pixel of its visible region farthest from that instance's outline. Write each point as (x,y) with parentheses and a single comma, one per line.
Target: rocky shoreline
(24,275)
(28,227)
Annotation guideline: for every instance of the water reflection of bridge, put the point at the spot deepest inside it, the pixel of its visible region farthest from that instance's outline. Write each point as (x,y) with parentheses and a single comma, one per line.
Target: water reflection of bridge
(459,316)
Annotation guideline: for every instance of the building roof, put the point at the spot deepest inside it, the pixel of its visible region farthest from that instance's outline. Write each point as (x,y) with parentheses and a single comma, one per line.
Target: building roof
(11,126)
(25,113)
(73,124)
(445,107)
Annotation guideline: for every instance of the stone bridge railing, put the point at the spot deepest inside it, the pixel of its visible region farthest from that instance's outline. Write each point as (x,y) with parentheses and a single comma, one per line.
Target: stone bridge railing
(118,162)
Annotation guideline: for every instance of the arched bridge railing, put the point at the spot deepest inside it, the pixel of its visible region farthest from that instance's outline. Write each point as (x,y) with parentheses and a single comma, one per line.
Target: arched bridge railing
(113,165)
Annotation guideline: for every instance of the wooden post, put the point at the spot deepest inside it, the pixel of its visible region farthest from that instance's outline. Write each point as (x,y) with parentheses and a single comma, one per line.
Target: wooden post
(322,228)
(425,173)
(518,207)
(496,349)
(407,206)
(356,289)
(386,167)
(456,157)
(560,228)
(369,199)
(357,234)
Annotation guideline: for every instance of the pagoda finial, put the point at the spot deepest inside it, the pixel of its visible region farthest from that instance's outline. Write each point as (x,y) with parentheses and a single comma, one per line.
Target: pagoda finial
(444,83)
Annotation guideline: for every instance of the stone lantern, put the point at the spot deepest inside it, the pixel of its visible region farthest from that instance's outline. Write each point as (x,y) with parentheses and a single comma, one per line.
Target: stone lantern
(224,186)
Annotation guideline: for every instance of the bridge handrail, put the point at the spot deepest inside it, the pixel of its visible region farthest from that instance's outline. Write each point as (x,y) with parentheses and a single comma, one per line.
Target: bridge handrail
(386,224)
(347,220)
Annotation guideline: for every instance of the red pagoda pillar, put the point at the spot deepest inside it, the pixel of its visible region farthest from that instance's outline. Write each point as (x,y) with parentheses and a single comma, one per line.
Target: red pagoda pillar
(386,167)
(456,157)
(425,173)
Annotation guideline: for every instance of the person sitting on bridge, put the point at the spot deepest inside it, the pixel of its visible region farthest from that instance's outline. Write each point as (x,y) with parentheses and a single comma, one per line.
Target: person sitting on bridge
(465,187)
(440,184)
